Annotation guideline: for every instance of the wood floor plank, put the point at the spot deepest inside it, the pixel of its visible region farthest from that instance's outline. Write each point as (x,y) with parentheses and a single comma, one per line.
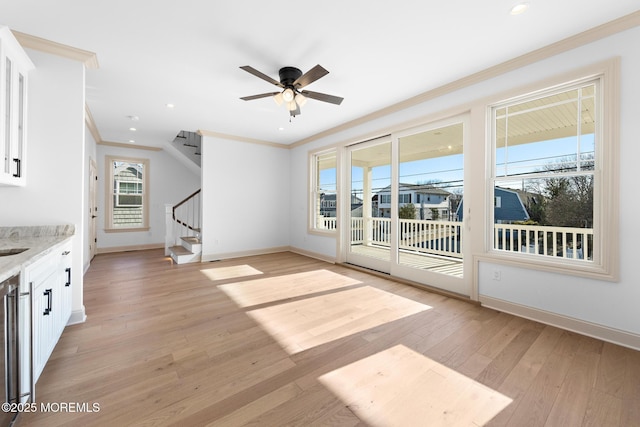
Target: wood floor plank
(536,403)
(571,404)
(283,339)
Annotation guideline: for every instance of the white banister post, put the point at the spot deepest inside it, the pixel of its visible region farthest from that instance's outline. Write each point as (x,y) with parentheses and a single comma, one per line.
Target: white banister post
(169,238)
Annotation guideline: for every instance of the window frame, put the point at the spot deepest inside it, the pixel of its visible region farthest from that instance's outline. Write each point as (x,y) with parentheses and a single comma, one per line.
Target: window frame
(314,202)
(109,194)
(606,177)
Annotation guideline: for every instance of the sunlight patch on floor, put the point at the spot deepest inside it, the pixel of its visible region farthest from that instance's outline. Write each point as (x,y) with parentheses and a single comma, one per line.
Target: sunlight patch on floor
(270,289)
(307,323)
(400,387)
(232,272)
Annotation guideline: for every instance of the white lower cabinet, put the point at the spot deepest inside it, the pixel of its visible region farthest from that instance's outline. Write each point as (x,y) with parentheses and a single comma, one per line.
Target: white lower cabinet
(49,280)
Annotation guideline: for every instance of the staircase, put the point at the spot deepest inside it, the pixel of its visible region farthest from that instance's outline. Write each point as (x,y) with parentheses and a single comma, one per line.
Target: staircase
(182,241)
(189,250)
(189,144)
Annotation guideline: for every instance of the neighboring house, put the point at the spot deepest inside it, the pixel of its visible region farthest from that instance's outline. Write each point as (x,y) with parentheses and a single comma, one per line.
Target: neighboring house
(430,202)
(127,204)
(508,207)
(328,204)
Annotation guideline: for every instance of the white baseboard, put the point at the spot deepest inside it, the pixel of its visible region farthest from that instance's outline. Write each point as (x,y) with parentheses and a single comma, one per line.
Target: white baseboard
(240,254)
(615,336)
(77,316)
(314,255)
(230,255)
(129,248)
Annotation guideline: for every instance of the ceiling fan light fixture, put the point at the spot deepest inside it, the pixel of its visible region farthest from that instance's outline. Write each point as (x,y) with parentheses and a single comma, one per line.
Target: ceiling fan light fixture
(301,99)
(519,8)
(292,106)
(278,99)
(288,95)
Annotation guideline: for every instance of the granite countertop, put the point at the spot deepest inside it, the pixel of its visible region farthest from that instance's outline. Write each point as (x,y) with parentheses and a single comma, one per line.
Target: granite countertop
(39,240)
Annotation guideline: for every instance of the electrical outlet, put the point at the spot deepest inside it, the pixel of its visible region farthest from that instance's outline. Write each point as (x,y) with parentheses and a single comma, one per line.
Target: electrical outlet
(497,275)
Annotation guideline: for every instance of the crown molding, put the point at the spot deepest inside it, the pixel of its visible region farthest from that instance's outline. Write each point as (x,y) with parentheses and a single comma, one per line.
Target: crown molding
(124,145)
(607,29)
(89,59)
(241,139)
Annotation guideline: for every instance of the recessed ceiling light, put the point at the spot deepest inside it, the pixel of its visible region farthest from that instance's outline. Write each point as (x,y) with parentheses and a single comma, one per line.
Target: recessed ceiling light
(131,141)
(280,128)
(132,129)
(169,105)
(519,8)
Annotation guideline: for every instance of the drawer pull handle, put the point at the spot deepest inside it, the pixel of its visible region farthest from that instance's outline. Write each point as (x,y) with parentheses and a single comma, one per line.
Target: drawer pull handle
(49,294)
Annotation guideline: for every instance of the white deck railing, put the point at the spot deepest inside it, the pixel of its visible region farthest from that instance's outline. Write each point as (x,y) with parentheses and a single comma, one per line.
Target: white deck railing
(429,237)
(327,223)
(565,242)
(445,237)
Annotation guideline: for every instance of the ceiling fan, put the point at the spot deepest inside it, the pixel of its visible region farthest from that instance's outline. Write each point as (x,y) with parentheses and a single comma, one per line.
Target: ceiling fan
(292,81)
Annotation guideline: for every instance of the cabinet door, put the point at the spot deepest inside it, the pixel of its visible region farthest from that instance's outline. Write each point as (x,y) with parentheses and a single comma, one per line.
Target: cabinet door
(49,280)
(25,331)
(6,71)
(65,288)
(14,65)
(44,334)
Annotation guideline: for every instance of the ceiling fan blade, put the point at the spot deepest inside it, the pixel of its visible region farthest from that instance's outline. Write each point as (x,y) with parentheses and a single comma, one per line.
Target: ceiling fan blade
(249,69)
(322,97)
(310,76)
(262,95)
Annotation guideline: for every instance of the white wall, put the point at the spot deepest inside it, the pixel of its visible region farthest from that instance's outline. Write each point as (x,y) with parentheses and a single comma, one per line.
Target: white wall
(170,182)
(55,156)
(610,306)
(245,198)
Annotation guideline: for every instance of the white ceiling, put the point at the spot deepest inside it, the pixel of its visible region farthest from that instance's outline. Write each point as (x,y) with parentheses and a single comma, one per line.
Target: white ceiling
(378,53)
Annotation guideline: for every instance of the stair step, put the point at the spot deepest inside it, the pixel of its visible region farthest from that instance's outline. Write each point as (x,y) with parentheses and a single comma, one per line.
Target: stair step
(182,255)
(191,239)
(191,243)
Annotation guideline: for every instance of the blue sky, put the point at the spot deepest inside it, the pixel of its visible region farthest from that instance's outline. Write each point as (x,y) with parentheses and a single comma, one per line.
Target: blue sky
(448,170)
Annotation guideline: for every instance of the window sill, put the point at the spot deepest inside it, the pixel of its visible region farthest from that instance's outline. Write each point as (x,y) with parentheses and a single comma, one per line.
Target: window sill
(126,230)
(326,233)
(566,267)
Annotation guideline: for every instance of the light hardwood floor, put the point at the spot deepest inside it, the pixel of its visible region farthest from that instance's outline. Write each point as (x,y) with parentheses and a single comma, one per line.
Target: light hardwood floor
(285,340)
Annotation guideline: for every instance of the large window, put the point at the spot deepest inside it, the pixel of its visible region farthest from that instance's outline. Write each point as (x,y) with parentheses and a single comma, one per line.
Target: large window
(551,178)
(324,206)
(127,194)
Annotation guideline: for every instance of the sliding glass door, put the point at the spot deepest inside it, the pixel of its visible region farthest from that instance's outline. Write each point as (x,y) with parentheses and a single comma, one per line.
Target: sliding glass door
(406,214)
(369,174)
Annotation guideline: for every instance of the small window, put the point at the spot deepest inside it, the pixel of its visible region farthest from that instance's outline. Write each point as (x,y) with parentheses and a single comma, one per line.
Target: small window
(550,181)
(127,194)
(324,195)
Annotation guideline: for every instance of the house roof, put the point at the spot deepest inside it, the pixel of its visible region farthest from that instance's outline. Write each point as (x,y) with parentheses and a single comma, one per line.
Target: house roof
(142,55)
(418,188)
(511,207)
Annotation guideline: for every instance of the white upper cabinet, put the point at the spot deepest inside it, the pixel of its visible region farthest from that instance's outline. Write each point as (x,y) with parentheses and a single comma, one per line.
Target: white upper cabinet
(14,66)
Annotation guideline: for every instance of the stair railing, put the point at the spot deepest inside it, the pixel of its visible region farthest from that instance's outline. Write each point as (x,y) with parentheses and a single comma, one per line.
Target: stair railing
(184,219)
